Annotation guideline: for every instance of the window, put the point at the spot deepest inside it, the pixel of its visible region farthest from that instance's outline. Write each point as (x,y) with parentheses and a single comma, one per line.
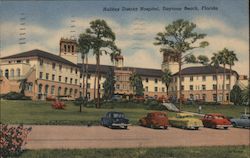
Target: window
(68,48)
(80,85)
(46,89)
(191,78)
(204,97)
(41,75)
(227,77)
(203,87)
(203,78)
(70,91)
(146,79)
(191,96)
(53,66)
(214,77)
(75,93)
(18,71)
(71,70)
(228,87)
(117,86)
(71,79)
(60,67)
(53,77)
(163,89)
(156,89)
(18,61)
(65,91)
(156,81)
(214,86)
(72,49)
(12,73)
(40,87)
(59,91)
(214,97)
(52,89)
(60,78)
(66,79)
(75,81)
(76,71)
(89,76)
(65,48)
(47,76)
(88,85)
(191,87)
(182,87)
(146,89)
(29,86)
(41,62)
(182,78)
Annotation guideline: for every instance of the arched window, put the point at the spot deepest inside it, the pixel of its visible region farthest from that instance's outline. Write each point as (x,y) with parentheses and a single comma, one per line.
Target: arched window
(72,49)
(70,91)
(40,88)
(18,72)
(68,48)
(52,89)
(59,91)
(46,89)
(65,48)
(6,74)
(12,73)
(75,93)
(65,91)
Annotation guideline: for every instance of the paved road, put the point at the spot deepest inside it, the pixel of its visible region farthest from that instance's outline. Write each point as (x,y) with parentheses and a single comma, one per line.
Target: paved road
(48,137)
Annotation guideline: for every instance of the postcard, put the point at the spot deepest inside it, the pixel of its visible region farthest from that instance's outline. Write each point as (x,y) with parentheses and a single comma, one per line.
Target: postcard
(126,78)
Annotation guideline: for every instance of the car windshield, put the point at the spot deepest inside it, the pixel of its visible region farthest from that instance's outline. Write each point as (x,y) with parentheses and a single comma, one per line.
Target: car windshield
(118,115)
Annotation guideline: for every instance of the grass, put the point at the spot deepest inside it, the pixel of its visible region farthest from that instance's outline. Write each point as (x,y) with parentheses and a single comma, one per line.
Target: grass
(175,152)
(227,110)
(41,113)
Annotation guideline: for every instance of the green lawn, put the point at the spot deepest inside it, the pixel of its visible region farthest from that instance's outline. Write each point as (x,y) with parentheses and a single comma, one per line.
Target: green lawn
(41,112)
(227,110)
(176,152)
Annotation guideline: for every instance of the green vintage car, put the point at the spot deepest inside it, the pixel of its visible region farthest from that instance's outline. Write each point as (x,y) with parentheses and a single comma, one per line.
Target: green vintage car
(185,121)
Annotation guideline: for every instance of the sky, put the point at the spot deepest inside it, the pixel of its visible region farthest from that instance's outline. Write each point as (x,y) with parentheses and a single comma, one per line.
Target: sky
(226,23)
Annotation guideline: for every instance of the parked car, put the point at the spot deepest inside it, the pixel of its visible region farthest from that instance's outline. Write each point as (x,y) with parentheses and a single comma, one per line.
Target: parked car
(186,121)
(215,121)
(139,99)
(155,120)
(115,119)
(243,121)
(116,98)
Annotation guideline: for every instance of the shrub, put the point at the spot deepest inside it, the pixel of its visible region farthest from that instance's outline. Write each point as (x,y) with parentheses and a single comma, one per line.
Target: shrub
(12,139)
(154,105)
(15,96)
(58,105)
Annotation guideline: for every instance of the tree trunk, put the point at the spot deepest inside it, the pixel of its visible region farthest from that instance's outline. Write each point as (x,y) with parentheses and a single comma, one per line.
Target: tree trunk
(167,89)
(180,90)
(98,81)
(216,71)
(82,84)
(95,81)
(87,72)
(229,83)
(223,85)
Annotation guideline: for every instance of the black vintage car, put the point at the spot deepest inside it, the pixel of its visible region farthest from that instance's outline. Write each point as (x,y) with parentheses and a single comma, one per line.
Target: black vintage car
(115,119)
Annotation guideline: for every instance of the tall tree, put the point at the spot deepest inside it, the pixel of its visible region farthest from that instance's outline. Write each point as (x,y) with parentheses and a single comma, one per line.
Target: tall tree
(216,64)
(136,83)
(109,84)
(236,95)
(231,58)
(179,38)
(84,46)
(103,41)
(167,78)
(223,60)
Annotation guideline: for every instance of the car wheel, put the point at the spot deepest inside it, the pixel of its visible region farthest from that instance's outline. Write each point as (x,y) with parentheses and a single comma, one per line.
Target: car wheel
(214,126)
(234,124)
(225,127)
(152,126)
(196,128)
(165,127)
(125,127)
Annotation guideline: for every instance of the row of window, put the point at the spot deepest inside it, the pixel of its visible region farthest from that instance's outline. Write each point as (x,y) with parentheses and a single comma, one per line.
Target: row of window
(41,62)
(155,89)
(12,73)
(155,80)
(66,91)
(59,78)
(191,78)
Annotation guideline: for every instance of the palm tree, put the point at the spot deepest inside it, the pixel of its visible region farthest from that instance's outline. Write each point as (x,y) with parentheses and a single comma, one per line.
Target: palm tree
(223,60)
(216,64)
(231,58)
(102,41)
(84,46)
(167,78)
